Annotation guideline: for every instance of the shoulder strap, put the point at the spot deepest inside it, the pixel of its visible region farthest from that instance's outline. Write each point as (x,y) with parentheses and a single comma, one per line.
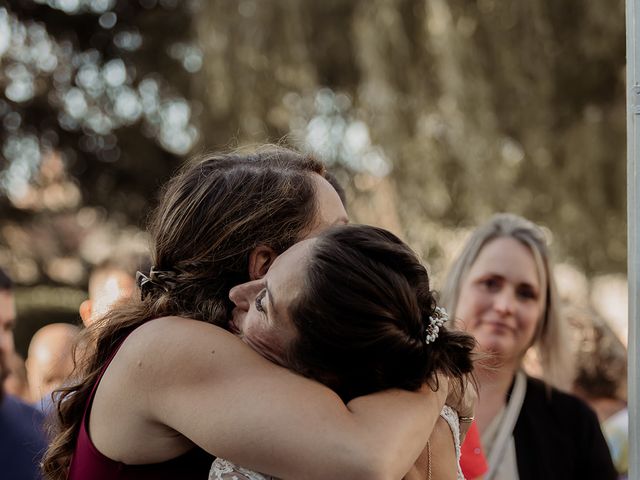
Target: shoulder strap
(507,425)
(453,420)
(87,407)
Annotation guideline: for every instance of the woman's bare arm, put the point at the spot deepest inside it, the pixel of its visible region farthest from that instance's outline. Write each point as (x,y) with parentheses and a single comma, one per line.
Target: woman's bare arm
(207,385)
(441,453)
(393,433)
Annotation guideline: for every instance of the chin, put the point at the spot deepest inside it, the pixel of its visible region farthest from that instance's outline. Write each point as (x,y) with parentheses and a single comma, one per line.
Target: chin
(495,345)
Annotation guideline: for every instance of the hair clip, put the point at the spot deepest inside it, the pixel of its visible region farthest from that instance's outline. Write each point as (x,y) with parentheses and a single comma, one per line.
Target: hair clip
(157,278)
(436,321)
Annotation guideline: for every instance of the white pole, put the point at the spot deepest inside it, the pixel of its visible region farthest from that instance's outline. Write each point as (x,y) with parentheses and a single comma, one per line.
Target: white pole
(633,226)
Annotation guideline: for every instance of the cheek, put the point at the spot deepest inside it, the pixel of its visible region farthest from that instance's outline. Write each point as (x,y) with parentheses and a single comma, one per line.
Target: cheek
(529,318)
(266,342)
(7,343)
(470,307)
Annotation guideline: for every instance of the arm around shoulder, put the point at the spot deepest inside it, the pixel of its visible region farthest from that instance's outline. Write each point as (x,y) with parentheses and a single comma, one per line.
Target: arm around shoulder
(206,384)
(397,440)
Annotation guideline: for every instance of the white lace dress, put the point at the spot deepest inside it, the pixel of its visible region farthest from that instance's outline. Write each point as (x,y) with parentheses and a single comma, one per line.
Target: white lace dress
(451,417)
(225,470)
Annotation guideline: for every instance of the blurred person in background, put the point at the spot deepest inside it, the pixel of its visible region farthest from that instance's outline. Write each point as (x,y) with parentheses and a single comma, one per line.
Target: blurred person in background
(109,283)
(17,383)
(22,440)
(500,290)
(601,381)
(50,361)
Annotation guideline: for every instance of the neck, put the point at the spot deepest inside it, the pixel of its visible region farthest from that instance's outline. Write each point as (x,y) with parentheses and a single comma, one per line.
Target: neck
(494,382)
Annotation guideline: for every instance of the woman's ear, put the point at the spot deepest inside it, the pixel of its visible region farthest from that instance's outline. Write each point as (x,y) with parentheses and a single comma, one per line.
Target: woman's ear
(85,312)
(260,260)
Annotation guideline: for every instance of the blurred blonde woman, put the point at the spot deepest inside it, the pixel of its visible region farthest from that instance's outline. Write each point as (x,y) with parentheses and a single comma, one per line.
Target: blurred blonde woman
(501,291)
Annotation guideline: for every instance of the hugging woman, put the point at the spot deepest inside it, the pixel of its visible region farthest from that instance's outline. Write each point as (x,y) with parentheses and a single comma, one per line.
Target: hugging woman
(352,308)
(167,386)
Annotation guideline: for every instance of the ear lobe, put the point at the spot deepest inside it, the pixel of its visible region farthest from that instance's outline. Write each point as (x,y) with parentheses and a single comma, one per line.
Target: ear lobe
(260,260)
(85,312)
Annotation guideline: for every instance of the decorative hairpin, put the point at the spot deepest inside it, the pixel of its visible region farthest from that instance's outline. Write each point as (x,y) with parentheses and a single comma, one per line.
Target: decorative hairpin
(163,279)
(436,321)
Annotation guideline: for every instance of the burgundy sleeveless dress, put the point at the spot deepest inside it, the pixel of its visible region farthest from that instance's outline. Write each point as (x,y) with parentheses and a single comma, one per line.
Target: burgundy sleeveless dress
(89,464)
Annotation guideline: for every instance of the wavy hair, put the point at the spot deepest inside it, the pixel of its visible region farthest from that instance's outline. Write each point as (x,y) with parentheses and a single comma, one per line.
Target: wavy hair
(212,214)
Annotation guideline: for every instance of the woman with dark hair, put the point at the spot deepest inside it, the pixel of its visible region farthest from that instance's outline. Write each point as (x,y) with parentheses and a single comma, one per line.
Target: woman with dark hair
(351,308)
(165,384)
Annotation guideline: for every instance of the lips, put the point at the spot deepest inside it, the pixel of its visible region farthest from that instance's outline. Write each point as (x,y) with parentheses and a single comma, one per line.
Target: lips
(498,325)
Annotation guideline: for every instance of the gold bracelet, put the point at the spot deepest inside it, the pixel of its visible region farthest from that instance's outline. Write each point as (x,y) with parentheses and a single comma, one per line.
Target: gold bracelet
(466,419)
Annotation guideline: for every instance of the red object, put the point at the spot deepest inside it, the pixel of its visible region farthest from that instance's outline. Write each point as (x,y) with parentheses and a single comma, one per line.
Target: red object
(472,460)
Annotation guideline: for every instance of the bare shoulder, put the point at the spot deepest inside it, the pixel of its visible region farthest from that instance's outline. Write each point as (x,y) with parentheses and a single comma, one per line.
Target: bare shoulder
(171,365)
(173,350)
(162,331)
(157,359)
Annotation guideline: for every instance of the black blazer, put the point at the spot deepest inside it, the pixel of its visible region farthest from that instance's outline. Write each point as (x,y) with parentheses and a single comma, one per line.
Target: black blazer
(557,436)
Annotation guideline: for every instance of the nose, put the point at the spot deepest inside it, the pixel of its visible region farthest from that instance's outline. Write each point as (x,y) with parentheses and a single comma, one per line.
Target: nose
(242,295)
(505,301)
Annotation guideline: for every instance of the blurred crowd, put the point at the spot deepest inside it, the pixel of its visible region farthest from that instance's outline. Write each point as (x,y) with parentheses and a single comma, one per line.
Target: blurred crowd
(26,392)
(590,362)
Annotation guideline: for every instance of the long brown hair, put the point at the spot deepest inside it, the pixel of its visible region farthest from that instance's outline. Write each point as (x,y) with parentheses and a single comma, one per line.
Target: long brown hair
(364,314)
(212,214)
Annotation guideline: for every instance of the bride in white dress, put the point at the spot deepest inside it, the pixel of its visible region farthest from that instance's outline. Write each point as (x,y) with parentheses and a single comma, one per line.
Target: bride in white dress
(353,309)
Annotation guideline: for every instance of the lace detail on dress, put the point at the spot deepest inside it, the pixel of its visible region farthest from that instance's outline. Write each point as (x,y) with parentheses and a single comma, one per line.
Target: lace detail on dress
(451,417)
(225,470)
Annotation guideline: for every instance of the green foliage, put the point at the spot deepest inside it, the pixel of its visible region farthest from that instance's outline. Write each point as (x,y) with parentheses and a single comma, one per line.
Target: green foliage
(435,113)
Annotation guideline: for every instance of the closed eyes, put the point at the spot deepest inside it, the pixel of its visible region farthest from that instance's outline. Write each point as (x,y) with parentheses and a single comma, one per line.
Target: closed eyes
(259,299)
